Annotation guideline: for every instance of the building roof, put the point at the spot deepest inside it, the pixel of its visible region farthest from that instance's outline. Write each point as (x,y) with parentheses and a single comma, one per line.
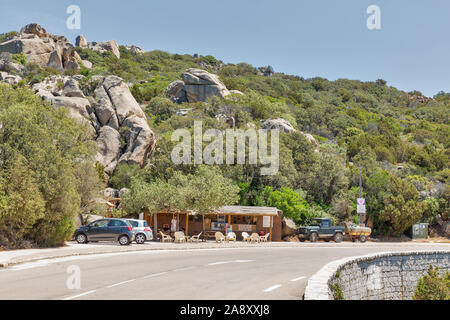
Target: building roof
(234,210)
(251,211)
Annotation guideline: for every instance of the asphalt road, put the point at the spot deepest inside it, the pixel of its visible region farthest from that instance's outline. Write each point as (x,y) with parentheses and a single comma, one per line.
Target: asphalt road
(222,274)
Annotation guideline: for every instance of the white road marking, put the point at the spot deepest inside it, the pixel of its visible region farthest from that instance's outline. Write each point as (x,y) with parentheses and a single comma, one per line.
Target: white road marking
(218,263)
(297,279)
(227,262)
(120,283)
(46,261)
(183,269)
(273,288)
(155,275)
(80,295)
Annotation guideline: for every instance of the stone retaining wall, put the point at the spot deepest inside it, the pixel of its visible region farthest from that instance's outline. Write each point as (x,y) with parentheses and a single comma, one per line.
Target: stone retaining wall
(382,276)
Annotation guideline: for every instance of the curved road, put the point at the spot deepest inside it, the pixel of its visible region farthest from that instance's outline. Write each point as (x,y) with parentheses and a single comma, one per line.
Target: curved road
(237,274)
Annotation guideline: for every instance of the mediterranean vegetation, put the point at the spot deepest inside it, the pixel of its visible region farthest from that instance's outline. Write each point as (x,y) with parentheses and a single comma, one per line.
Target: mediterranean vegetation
(47,171)
(433,286)
(399,140)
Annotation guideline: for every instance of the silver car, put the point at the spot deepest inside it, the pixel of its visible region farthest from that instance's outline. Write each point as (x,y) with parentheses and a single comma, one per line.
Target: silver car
(142,231)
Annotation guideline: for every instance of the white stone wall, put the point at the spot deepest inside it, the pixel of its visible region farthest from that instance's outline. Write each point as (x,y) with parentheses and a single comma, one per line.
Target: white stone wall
(383,276)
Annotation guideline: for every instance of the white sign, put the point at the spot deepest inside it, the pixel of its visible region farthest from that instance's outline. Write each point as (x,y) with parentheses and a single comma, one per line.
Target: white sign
(266,222)
(361,209)
(245,227)
(361,202)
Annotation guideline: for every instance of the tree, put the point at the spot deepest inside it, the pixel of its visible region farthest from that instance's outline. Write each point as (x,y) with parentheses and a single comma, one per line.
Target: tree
(151,197)
(328,178)
(402,207)
(21,203)
(444,204)
(124,173)
(293,205)
(204,191)
(52,144)
(89,185)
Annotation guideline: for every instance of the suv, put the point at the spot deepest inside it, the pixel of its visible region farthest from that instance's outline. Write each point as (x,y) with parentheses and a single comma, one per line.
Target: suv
(106,230)
(323,230)
(141,230)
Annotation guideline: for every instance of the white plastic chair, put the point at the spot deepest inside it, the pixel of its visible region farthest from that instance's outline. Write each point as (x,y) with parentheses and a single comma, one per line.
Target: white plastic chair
(196,238)
(231,236)
(165,237)
(254,238)
(220,237)
(264,238)
(180,237)
(245,236)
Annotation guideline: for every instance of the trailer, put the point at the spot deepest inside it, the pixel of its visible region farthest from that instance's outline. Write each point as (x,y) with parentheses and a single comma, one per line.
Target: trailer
(357,232)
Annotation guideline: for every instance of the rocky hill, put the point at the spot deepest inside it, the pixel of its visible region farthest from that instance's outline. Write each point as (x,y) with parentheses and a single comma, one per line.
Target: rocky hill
(131,101)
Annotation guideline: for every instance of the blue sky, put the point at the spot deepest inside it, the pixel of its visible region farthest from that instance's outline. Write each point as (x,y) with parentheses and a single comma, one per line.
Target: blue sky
(326,38)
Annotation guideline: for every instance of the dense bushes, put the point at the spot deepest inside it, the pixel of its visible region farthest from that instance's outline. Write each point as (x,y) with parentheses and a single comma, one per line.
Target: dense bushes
(401,207)
(399,140)
(41,150)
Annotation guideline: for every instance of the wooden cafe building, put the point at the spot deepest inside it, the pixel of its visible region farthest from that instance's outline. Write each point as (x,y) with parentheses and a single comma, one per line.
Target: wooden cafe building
(236,218)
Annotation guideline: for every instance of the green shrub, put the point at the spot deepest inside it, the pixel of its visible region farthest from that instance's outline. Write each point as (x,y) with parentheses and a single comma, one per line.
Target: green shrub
(5,36)
(19,58)
(337,291)
(433,286)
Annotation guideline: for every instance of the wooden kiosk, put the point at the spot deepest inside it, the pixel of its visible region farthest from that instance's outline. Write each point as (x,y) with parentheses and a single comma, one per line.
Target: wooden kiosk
(238,218)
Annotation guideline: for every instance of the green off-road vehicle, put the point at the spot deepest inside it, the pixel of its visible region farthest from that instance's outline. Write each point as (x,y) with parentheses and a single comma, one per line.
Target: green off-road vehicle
(322,229)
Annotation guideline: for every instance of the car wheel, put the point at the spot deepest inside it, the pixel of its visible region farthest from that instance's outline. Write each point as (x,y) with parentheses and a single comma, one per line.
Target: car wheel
(338,237)
(363,238)
(314,237)
(81,238)
(124,240)
(140,238)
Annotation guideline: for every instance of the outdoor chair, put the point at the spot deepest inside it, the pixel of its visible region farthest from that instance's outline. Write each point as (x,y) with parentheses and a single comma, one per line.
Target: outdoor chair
(264,238)
(231,236)
(220,237)
(245,236)
(165,237)
(196,238)
(254,238)
(180,237)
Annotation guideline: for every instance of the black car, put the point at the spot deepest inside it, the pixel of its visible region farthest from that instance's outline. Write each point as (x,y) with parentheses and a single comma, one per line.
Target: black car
(106,230)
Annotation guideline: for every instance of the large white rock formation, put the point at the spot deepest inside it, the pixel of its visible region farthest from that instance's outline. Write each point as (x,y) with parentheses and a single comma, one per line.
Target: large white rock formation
(42,48)
(115,119)
(196,85)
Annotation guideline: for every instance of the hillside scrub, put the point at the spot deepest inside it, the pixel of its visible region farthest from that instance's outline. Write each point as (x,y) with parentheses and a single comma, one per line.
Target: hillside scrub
(400,140)
(42,150)
(392,135)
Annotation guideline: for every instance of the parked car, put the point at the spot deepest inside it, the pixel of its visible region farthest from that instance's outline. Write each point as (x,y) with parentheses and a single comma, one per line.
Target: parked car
(106,230)
(322,229)
(142,231)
